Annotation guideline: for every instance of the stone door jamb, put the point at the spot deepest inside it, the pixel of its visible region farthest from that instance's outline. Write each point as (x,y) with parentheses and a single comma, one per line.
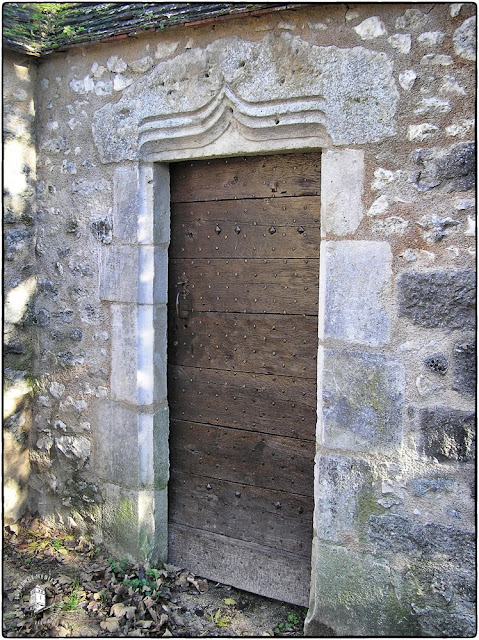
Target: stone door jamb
(134,276)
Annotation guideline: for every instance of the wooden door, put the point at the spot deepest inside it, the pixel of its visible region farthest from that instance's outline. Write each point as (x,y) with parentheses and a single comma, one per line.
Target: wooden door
(243,306)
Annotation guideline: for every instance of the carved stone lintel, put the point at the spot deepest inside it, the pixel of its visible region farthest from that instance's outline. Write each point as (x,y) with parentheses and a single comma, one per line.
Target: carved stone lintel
(275,89)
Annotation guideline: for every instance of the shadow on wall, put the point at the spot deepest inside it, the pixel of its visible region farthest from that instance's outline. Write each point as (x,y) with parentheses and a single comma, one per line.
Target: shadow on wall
(19,175)
(33,444)
(17,399)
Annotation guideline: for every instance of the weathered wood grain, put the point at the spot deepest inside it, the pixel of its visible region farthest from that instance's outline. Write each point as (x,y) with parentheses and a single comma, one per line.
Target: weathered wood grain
(280,405)
(286,227)
(261,212)
(277,519)
(246,177)
(250,286)
(244,565)
(245,457)
(259,343)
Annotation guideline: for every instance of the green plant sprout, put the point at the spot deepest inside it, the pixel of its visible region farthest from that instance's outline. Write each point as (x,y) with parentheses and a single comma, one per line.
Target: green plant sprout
(146,584)
(218,620)
(118,567)
(74,598)
(291,622)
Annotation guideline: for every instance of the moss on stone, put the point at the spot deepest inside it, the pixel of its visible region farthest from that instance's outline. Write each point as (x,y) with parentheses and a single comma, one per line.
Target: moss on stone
(123,526)
(372,392)
(125,514)
(367,504)
(44,27)
(145,544)
(355,591)
(400,617)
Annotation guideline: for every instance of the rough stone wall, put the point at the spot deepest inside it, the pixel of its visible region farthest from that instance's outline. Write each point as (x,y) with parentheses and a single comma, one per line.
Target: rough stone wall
(394,521)
(394,551)
(19,170)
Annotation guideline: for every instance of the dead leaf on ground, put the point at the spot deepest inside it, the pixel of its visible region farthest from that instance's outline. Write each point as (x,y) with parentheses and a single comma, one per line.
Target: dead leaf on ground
(60,632)
(13,528)
(110,624)
(182,581)
(70,544)
(119,610)
(148,601)
(171,570)
(93,606)
(163,619)
(144,624)
(121,590)
(200,585)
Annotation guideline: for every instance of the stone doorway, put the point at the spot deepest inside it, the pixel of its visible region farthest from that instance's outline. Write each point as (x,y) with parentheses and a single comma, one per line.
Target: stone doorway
(243,308)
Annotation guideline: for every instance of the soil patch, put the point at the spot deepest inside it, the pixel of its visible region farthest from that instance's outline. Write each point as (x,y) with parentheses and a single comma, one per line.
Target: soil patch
(87,593)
